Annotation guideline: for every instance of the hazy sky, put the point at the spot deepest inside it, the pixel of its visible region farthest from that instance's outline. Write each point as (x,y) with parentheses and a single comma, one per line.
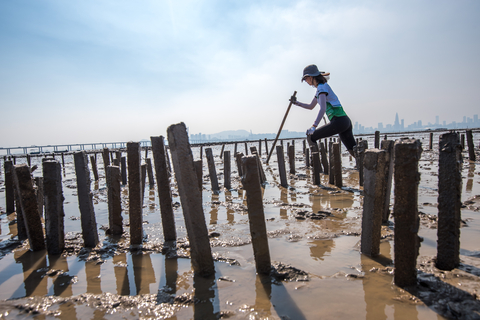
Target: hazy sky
(103,71)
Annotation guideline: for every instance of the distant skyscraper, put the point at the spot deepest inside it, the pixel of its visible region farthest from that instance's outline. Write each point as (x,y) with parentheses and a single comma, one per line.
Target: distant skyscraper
(436,120)
(396,125)
(380,126)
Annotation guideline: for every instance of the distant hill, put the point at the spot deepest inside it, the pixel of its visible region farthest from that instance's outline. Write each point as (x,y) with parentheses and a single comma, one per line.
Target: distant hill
(230,135)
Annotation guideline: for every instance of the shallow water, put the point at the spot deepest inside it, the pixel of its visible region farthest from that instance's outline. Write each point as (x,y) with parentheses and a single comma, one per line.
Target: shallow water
(341,284)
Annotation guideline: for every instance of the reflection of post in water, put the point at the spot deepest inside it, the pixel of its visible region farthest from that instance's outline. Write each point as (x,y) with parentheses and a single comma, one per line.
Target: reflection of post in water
(92,274)
(171,273)
(284,199)
(319,248)
(263,293)
(230,212)
(205,295)
(121,273)
(143,272)
(376,287)
(214,211)
(34,282)
(470,175)
(61,284)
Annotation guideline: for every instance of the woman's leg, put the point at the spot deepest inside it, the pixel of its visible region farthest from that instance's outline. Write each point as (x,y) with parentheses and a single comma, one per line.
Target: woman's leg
(347,138)
(336,126)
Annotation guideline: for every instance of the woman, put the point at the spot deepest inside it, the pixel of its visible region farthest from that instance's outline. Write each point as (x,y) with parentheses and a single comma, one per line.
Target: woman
(327,100)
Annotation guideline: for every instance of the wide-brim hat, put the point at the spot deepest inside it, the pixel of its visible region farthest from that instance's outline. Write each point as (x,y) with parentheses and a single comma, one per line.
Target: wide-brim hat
(312,71)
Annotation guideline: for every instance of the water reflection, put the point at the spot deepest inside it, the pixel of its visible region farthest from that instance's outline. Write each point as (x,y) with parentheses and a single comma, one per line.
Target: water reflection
(143,272)
(470,175)
(34,265)
(284,199)
(121,273)
(205,289)
(320,248)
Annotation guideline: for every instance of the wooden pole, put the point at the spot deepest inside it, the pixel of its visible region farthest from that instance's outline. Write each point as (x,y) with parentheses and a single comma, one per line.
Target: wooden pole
(281,127)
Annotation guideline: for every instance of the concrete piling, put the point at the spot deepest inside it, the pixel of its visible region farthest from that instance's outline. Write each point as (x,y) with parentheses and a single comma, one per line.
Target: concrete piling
(115,219)
(291,158)
(151,181)
(377,140)
(256,216)
(246,149)
(463,141)
(40,195)
(430,145)
(449,201)
(198,165)
(28,202)
(93,163)
(281,167)
(163,186)
(190,197)
(123,164)
(227,170)
(387,145)
(221,151)
(331,161)
(337,156)
(135,194)
(307,157)
(471,146)
(211,169)
(54,213)
(85,200)
(324,159)
(266,147)
(143,168)
(373,201)
(106,158)
(406,175)
(362,147)
(261,173)
(316,168)
(238,161)
(9,186)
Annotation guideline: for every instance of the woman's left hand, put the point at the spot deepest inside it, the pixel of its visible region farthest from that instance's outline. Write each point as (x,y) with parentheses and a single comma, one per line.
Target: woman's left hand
(311,131)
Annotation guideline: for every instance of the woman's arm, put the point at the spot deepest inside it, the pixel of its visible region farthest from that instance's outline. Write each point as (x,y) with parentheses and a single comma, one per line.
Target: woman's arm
(322,102)
(307,106)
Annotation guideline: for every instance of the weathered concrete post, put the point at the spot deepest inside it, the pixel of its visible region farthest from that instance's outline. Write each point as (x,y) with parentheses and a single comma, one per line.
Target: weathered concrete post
(471,146)
(29,160)
(115,219)
(28,202)
(373,201)
(261,173)
(281,167)
(151,181)
(54,213)
(362,147)
(377,140)
(221,151)
(316,168)
(40,195)
(260,147)
(9,186)
(266,147)
(238,160)
(106,158)
(337,156)
(85,200)
(94,167)
(463,141)
(211,169)
(324,159)
(227,170)
(198,165)
(256,216)
(331,160)
(407,177)
(143,168)
(246,149)
(123,164)
(190,197)
(430,145)
(387,145)
(307,157)
(135,194)
(291,158)
(163,186)
(449,201)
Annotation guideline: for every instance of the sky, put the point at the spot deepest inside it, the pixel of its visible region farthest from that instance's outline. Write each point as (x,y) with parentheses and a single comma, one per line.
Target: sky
(117,70)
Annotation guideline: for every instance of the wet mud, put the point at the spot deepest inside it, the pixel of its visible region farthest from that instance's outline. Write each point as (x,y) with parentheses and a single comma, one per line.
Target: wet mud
(313,231)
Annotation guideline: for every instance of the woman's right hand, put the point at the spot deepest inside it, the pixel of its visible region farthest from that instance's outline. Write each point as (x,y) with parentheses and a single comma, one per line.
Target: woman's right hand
(293,100)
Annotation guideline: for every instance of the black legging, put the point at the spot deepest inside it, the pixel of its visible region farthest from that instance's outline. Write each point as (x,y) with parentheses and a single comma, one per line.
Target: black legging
(338,125)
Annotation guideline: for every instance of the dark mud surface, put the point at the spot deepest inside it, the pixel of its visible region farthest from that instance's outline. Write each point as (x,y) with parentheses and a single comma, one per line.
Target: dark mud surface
(317,269)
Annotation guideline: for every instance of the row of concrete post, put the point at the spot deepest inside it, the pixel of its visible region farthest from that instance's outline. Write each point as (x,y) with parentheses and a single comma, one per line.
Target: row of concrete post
(402,157)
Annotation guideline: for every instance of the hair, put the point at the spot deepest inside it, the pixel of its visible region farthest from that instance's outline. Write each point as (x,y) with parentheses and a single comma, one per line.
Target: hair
(320,79)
